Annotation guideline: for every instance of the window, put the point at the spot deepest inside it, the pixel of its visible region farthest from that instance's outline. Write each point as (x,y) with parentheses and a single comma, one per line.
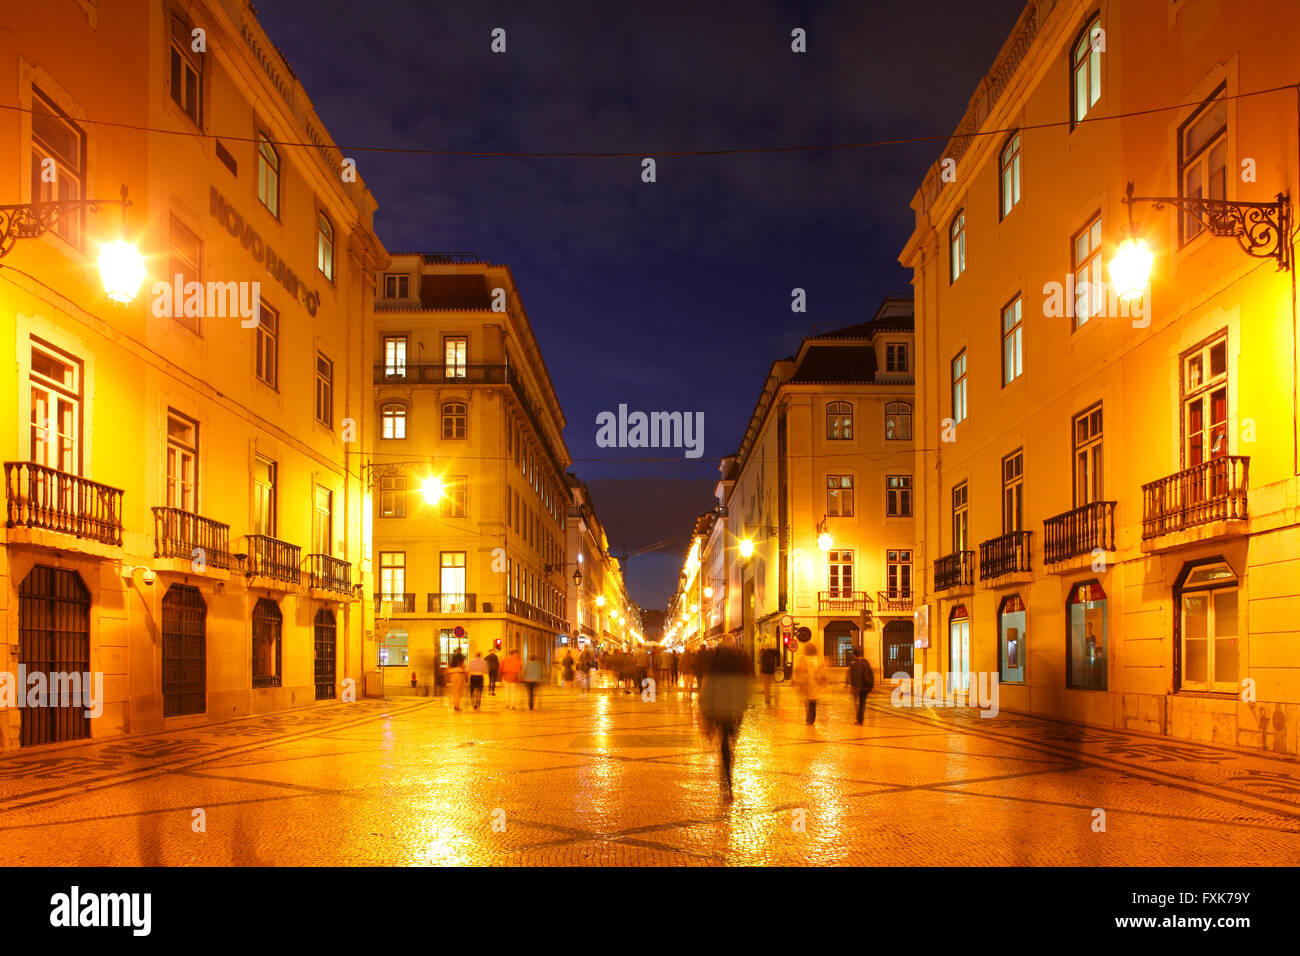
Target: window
(895,356)
(264,493)
(1085,69)
(898,496)
(394,650)
(395,356)
(1087,457)
(898,573)
(267,345)
(1086,655)
(324,391)
(186,72)
(1013,492)
(392,496)
(325,246)
(268,175)
(839,496)
(1205,401)
(322,525)
(839,572)
(392,420)
(57,139)
(185,252)
(1012,347)
(184,640)
(957,246)
(959,387)
(839,421)
(55,381)
(898,421)
(325,637)
(396,286)
(392,575)
(455,351)
(1010,165)
(1209,656)
(960,518)
(454,416)
(1089,284)
(452,582)
(267,622)
(1203,158)
(452,504)
(1011,639)
(182,462)
(959,650)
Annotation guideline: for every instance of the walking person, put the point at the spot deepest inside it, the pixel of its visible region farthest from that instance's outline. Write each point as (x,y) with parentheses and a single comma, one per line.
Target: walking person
(533,676)
(767,662)
(587,665)
(724,691)
(477,670)
(809,673)
(672,663)
(456,676)
(567,674)
(627,671)
(861,680)
(494,668)
(510,669)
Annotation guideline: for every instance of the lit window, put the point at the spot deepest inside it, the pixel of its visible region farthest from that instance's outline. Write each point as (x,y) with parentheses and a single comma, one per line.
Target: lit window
(455,355)
(325,246)
(839,496)
(1203,158)
(392,575)
(1086,628)
(395,356)
(1011,638)
(392,420)
(957,246)
(1086,69)
(960,518)
(322,527)
(1208,627)
(268,175)
(839,421)
(55,383)
(898,421)
(959,387)
(1089,285)
(264,488)
(182,462)
(1012,346)
(452,504)
(1013,492)
(324,391)
(58,154)
(1087,457)
(1010,163)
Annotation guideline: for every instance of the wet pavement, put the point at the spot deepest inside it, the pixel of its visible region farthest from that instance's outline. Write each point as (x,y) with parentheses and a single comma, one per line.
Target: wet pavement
(609,779)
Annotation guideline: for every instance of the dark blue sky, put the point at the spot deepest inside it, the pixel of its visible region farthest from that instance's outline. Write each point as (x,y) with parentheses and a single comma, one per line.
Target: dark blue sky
(675,295)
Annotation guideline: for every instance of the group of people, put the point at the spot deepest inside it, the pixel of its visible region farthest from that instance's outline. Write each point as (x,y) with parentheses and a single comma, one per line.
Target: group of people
(512,672)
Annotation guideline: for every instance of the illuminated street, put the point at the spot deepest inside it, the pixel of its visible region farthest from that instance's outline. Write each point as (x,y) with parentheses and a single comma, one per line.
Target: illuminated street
(609,779)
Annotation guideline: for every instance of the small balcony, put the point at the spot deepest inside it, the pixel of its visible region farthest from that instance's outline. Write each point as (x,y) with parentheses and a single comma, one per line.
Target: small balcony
(844,602)
(402,374)
(453,603)
(1213,491)
(201,541)
(328,573)
(273,559)
(50,500)
(1005,554)
(533,613)
(894,602)
(388,604)
(956,570)
(1081,530)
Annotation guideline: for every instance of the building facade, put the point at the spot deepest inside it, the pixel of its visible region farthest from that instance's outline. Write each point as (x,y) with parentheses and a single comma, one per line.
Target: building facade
(599,593)
(183,503)
(1107,499)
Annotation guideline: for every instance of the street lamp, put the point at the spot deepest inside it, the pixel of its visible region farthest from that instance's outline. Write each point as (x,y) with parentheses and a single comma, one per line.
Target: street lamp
(823,536)
(746,548)
(431,489)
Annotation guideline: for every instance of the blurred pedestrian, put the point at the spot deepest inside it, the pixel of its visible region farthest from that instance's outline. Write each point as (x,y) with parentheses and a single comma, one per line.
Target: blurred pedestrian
(642,668)
(724,692)
(587,666)
(477,670)
(494,669)
(672,663)
(456,677)
(533,676)
(627,671)
(810,675)
(767,662)
(567,673)
(510,669)
(861,680)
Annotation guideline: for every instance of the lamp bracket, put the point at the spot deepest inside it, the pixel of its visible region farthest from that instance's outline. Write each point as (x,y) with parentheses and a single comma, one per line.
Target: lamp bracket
(1262,229)
(32,220)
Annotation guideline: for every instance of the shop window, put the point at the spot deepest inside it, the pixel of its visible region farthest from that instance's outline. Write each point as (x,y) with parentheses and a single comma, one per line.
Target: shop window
(1086,622)
(1011,639)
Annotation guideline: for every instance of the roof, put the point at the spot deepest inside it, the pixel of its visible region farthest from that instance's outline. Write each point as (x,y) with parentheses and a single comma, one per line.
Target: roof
(836,363)
(455,291)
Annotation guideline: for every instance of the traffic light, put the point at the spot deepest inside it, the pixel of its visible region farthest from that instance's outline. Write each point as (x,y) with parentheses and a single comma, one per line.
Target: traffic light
(496,644)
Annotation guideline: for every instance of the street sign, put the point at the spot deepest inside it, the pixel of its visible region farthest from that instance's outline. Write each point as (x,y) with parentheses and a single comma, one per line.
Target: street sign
(787,621)
(458,631)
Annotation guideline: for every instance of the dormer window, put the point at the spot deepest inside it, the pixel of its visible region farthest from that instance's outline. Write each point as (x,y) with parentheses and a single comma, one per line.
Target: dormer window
(396,286)
(895,356)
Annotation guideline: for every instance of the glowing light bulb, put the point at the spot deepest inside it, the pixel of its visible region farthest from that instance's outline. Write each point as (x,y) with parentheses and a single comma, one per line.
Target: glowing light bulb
(122,268)
(1130,270)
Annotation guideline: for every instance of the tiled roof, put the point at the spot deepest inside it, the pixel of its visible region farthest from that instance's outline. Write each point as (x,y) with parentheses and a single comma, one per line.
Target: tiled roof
(836,363)
(455,292)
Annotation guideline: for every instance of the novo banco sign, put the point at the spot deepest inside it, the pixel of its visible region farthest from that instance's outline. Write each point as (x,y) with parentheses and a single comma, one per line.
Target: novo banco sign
(276,267)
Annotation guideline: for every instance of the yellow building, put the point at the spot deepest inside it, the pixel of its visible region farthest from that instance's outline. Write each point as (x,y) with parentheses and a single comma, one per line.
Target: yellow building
(183,504)
(599,592)
(467,471)
(1108,509)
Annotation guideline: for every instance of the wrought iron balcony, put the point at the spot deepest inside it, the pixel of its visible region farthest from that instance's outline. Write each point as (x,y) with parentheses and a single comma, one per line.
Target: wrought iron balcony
(1005,554)
(533,613)
(1215,490)
(453,603)
(954,570)
(397,603)
(191,537)
(844,602)
(42,497)
(894,602)
(1080,530)
(328,573)
(441,374)
(275,559)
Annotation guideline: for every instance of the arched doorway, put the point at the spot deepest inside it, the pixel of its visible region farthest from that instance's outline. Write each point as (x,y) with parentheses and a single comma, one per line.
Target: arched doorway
(184,651)
(897,644)
(54,637)
(324,632)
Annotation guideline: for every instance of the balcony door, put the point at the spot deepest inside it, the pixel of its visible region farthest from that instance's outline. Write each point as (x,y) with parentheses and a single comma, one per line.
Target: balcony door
(55,436)
(1205,417)
(264,497)
(898,573)
(453,581)
(839,569)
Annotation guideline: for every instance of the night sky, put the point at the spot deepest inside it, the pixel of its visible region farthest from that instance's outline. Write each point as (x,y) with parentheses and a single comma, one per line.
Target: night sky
(667,296)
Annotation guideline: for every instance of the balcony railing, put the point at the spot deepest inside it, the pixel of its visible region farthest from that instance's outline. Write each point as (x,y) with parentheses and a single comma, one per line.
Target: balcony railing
(397,603)
(894,602)
(275,559)
(1215,490)
(42,497)
(453,603)
(844,602)
(328,573)
(954,570)
(534,613)
(1005,554)
(441,374)
(1081,530)
(191,537)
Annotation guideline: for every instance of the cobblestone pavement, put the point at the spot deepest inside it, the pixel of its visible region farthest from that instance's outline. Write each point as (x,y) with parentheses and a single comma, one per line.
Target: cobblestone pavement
(609,779)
